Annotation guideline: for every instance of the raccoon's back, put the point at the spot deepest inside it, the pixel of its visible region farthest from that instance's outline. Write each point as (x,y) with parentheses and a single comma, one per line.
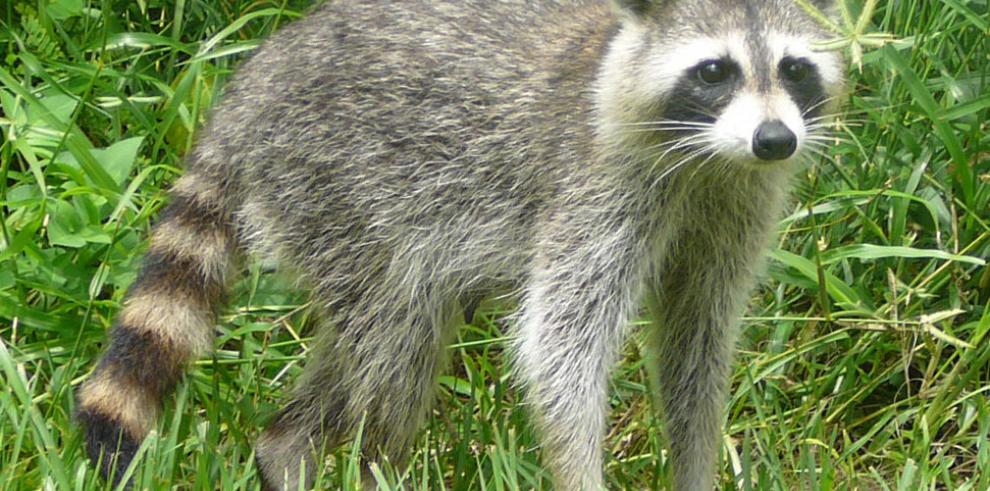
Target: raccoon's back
(370,115)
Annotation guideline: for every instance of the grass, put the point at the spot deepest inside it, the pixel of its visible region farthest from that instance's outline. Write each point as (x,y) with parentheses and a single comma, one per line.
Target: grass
(864,363)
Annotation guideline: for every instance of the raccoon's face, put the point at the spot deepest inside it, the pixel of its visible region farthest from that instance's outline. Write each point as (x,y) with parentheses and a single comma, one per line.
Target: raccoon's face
(736,81)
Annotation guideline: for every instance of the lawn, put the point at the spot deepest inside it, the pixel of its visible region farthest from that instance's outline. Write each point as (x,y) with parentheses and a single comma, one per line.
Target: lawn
(864,361)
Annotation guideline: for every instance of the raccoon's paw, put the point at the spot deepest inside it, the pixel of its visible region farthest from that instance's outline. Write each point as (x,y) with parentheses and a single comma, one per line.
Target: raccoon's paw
(108,444)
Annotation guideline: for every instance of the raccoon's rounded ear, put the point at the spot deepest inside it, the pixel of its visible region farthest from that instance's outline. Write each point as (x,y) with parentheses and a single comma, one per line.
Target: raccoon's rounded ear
(826,6)
(635,8)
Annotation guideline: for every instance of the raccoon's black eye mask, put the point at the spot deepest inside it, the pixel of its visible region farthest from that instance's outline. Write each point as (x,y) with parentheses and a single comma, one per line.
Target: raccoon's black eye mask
(703,91)
(801,79)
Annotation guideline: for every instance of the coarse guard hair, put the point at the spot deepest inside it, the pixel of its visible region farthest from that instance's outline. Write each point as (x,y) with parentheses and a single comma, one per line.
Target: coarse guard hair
(585,158)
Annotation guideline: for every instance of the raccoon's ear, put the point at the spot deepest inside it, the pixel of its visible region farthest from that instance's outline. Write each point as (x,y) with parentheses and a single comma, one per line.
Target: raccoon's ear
(636,8)
(828,7)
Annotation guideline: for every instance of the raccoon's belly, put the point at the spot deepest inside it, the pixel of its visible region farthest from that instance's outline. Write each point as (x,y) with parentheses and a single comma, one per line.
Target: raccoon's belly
(471,244)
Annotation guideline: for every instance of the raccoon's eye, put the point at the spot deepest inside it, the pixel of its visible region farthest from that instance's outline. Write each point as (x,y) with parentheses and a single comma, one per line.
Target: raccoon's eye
(795,70)
(714,71)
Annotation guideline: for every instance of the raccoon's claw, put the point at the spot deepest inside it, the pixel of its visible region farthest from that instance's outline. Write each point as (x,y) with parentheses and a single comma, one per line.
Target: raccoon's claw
(107,444)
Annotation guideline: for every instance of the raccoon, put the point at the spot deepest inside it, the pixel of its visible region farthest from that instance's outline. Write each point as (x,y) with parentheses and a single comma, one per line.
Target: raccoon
(405,159)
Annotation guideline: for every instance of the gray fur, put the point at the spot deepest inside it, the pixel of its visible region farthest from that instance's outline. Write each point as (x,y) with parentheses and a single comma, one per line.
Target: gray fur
(406,157)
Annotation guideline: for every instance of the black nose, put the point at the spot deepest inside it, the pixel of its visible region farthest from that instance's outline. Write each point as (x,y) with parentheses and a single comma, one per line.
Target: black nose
(774,141)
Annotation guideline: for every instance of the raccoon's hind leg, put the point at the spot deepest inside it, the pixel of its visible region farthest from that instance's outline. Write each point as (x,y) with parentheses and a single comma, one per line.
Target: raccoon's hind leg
(167,321)
(377,364)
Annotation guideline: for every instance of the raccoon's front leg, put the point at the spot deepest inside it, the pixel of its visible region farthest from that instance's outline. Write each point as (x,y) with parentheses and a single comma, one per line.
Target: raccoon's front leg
(573,315)
(696,304)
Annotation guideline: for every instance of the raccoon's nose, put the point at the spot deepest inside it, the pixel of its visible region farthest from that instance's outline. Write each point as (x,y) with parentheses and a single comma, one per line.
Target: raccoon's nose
(774,141)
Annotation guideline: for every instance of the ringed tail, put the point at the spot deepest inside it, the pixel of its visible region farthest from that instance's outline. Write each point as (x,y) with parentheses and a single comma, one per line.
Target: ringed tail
(167,321)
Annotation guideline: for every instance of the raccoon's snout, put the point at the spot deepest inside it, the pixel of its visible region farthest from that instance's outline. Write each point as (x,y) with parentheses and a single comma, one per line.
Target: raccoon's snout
(773,140)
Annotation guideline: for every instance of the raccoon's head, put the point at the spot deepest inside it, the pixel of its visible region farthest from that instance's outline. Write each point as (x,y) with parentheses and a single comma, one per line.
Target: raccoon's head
(737,81)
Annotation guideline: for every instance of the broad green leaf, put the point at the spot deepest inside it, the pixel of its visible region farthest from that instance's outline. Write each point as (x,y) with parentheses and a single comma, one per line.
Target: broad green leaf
(64,225)
(6,279)
(76,142)
(64,9)
(59,105)
(118,159)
